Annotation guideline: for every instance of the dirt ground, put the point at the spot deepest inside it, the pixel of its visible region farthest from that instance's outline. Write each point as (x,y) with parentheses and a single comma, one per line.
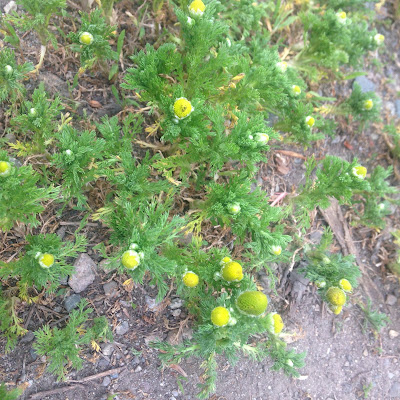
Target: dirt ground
(344,361)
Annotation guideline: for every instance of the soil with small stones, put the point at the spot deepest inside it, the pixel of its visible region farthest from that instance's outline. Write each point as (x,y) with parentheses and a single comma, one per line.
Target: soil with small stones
(344,360)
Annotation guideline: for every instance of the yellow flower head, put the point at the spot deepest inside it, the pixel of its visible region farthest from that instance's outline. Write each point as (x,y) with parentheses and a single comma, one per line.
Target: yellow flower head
(345,285)
(232,272)
(278,323)
(336,296)
(197,7)
(310,121)
(190,279)
(335,309)
(225,260)
(182,108)
(234,208)
(282,65)
(296,90)
(379,39)
(130,259)
(46,260)
(220,316)
(262,138)
(252,303)
(368,104)
(5,168)
(277,250)
(341,16)
(86,38)
(359,171)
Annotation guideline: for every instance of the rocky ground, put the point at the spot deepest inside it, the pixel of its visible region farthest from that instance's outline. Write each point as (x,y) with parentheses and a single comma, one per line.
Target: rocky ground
(345,359)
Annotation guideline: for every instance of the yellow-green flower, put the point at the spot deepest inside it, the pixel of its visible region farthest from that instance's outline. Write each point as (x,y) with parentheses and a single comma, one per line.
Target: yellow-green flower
(379,39)
(225,260)
(341,17)
(190,279)
(252,303)
(336,296)
(234,208)
(345,285)
(335,309)
(8,69)
(277,250)
(46,260)
(359,171)
(262,138)
(368,104)
(278,323)
(310,121)
(5,168)
(282,65)
(220,316)
(86,38)
(182,108)
(296,90)
(197,7)
(232,272)
(130,259)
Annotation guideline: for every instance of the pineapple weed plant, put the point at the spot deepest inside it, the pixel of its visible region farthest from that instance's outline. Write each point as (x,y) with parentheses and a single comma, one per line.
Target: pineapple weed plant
(221,94)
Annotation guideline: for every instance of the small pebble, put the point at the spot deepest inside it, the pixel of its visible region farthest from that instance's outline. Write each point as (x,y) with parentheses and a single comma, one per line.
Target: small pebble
(71,302)
(106,381)
(138,368)
(391,300)
(114,376)
(122,328)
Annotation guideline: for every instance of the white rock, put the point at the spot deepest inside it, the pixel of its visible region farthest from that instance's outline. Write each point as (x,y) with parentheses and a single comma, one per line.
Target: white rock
(84,273)
(11,6)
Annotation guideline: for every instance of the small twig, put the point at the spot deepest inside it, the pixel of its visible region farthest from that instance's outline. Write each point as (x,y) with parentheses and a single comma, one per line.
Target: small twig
(99,375)
(291,154)
(67,223)
(41,395)
(279,198)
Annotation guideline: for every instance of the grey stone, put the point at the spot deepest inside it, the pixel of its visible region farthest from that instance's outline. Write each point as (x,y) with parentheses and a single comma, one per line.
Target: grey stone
(11,6)
(390,375)
(176,303)
(106,381)
(152,338)
(64,280)
(374,136)
(395,390)
(103,363)
(390,106)
(110,288)
(28,337)
(61,232)
(84,273)
(151,303)
(138,368)
(172,398)
(176,313)
(365,84)
(10,138)
(391,300)
(122,328)
(72,301)
(397,104)
(33,354)
(108,349)
(175,393)
(187,333)
(114,376)
(316,236)
(135,361)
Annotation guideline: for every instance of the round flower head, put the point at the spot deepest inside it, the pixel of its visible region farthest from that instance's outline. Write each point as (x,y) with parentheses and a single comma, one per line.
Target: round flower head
(33,112)
(190,279)
(345,285)
(368,104)
(232,272)
(8,69)
(46,260)
(182,108)
(379,39)
(130,259)
(5,168)
(310,121)
(225,260)
(341,17)
(381,206)
(335,309)
(336,296)
(296,90)
(189,21)
(68,152)
(252,303)
(197,7)
(289,362)
(282,65)
(359,171)
(277,250)
(278,323)
(86,38)
(320,284)
(234,208)
(262,138)
(220,316)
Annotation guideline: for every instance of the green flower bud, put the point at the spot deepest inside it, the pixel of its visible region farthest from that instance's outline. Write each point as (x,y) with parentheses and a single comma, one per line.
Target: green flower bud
(252,303)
